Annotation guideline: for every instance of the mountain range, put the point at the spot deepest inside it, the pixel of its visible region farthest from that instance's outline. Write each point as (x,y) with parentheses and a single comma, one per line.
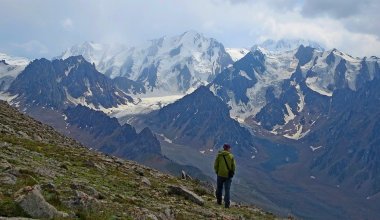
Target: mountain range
(302,119)
(306,95)
(168,65)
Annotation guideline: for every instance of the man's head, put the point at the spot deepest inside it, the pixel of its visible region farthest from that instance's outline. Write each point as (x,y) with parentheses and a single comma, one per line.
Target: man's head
(227,147)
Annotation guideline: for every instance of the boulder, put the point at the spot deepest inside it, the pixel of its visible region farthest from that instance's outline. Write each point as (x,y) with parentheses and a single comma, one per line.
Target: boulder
(49,187)
(139,171)
(168,214)
(146,181)
(45,172)
(86,189)
(92,164)
(23,134)
(83,201)
(182,191)
(4,144)
(118,161)
(185,176)
(9,179)
(151,216)
(33,203)
(4,165)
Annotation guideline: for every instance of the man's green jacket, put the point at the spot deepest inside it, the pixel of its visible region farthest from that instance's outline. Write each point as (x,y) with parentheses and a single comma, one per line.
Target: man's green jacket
(220,166)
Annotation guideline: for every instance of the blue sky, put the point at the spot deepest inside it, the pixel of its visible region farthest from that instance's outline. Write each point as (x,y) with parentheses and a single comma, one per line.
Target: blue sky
(42,28)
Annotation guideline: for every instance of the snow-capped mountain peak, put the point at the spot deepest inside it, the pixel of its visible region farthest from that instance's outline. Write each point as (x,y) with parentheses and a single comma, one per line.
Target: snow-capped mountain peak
(191,35)
(237,53)
(91,51)
(19,61)
(167,65)
(286,45)
(10,68)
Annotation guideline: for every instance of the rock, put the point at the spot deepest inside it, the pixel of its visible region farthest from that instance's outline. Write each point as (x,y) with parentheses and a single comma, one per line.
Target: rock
(180,190)
(233,204)
(139,171)
(146,181)
(86,189)
(185,176)
(168,214)
(118,160)
(14,172)
(45,172)
(151,216)
(157,175)
(33,203)
(90,163)
(23,134)
(9,179)
(4,165)
(49,187)
(37,137)
(83,200)
(4,144)
(207,213)
(107,159)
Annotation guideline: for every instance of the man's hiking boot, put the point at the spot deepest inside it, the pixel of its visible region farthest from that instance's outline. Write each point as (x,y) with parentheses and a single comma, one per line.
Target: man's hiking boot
(219,202)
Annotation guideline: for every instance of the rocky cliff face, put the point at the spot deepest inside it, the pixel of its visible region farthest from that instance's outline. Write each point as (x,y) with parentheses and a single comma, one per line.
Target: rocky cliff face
(201,121)
(46,175)
(349,141)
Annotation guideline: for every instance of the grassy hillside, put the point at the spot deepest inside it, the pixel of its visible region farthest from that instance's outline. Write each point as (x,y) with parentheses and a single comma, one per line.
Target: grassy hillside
(85,184)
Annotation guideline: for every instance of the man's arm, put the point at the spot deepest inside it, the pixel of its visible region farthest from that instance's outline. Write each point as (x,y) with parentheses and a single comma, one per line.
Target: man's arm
(233,167)
(216,165)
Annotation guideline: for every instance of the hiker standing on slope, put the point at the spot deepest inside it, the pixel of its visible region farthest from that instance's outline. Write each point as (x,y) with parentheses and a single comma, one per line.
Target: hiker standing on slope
(224,167)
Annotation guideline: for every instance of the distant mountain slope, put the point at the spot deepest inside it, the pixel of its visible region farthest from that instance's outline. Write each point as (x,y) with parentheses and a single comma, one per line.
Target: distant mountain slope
(168,65)
(349,143)
(46,175)
(201,120)
(59,83)
(107,135)
(288,93)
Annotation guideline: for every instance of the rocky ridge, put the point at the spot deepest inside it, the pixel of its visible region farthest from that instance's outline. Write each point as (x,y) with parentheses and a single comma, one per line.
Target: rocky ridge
(46,175)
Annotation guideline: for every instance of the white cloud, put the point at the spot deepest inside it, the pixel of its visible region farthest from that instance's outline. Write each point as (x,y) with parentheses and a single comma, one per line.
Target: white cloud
(32,46)
(67,23)
(235,23)
(336,8)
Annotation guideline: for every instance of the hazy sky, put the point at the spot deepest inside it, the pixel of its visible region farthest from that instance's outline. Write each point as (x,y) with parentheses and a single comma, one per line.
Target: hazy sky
(44,28)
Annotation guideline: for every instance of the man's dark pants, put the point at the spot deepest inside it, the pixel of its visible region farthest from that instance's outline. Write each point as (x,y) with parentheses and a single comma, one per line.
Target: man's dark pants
(226,182)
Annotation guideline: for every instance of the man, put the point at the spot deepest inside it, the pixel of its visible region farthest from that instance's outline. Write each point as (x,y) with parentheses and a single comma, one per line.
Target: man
(224,167)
